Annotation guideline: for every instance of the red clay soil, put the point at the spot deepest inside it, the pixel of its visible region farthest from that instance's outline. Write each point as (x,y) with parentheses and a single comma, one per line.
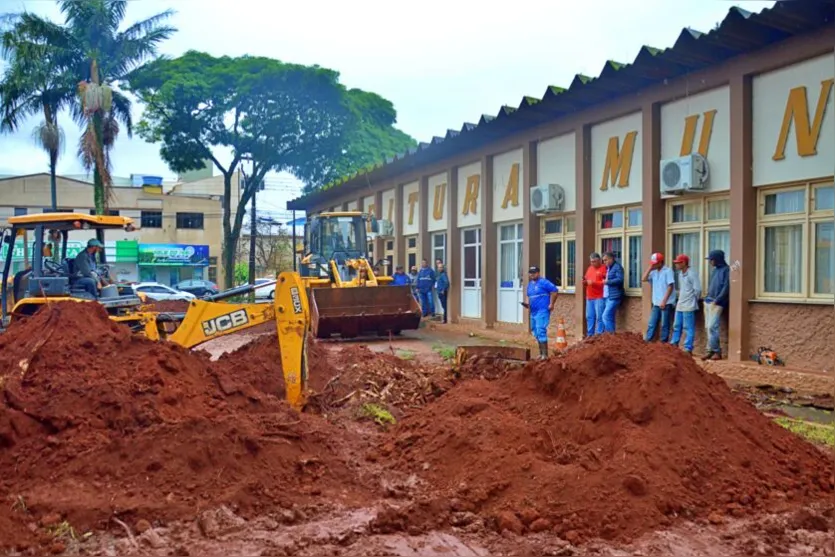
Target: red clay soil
(96,423)
(174,306)
(613,439)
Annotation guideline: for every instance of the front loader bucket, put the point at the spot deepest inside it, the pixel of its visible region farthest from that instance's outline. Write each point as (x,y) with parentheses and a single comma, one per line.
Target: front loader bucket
(362,310)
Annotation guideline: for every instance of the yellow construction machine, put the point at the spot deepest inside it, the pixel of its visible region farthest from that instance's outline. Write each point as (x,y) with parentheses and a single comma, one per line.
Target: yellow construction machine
(347,298)
(51,278)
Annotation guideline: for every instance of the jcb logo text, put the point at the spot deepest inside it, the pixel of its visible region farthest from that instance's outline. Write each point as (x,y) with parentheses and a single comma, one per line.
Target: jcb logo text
(223,323)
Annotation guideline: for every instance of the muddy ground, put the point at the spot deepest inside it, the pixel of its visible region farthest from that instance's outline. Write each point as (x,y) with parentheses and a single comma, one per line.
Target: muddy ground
(322,526)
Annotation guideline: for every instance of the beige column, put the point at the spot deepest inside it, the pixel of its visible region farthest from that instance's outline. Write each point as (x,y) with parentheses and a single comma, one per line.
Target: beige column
(399,240)
(379,243)
(653,206)
(584,222)
(743,220)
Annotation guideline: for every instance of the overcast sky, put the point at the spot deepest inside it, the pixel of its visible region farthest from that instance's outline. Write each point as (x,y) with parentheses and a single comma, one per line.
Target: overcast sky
(441,63)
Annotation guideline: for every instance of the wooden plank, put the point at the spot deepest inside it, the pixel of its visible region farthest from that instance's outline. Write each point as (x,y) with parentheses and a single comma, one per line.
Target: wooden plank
(517,353)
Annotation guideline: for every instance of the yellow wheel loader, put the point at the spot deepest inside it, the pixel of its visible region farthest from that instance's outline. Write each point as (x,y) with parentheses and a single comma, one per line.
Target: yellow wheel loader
(51,277)
(347,298)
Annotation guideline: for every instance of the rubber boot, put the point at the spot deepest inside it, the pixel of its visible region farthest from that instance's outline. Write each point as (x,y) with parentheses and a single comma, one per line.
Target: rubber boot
(543,350)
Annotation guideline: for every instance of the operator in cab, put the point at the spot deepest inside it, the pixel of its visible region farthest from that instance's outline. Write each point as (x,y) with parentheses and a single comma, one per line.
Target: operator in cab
(85,268)
(542,295)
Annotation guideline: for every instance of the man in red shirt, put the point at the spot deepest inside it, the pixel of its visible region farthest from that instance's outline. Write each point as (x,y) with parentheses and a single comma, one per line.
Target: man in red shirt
(593,280)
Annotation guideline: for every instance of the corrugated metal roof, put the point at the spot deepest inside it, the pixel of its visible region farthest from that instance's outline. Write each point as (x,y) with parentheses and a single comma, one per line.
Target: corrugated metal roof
(740,32)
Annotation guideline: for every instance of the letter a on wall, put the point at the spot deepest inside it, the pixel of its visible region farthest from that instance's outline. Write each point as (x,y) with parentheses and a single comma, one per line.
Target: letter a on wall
(511,190)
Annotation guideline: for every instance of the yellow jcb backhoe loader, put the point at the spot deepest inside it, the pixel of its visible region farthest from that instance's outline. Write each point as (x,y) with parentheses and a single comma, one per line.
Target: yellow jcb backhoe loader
(347,298)
(51,279)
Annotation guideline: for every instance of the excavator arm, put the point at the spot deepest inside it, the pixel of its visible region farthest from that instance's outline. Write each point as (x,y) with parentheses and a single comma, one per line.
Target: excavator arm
(210,319)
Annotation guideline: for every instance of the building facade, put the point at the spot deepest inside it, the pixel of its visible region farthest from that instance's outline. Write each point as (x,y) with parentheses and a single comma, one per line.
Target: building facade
(179,235)
(754,97)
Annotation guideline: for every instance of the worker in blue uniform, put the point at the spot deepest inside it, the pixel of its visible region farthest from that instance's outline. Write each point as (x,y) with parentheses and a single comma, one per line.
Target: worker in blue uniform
(542,295)
(425,288)
(400,278)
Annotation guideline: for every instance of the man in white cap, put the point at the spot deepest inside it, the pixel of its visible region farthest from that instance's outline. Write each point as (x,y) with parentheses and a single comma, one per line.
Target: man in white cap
(663,287)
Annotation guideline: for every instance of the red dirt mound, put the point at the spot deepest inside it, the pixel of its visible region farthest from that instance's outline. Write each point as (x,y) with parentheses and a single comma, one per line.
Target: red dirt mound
(612,439)
(258,364)
(95,422)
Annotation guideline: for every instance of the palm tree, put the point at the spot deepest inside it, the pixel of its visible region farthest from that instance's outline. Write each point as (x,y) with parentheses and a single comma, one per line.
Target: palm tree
(34,83)
(91,46)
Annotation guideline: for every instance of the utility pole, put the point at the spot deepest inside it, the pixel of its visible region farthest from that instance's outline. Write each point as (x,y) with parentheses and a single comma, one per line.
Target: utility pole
(253,229)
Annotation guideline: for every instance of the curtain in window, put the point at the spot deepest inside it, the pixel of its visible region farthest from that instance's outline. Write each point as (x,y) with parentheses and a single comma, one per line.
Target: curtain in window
(784,259)
(571,264)
(633,270)
(824,262)
(689,244)
(785,202)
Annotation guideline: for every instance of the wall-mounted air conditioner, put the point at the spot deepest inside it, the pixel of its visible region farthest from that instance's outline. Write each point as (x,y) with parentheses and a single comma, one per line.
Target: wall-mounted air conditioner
(386,228)
(683,174)
(547,198)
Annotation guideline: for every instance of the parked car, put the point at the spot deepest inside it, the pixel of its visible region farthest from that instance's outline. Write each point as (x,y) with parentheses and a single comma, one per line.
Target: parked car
(198,287)
(264,292)
(158,292)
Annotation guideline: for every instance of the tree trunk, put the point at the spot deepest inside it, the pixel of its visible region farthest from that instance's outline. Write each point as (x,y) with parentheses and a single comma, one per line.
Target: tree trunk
(99,196)
(53,185)
(230,242)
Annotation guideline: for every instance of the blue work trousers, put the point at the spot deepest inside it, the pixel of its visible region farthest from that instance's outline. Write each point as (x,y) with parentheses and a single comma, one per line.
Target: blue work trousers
(665,316)
(594,316)
(685,322)
(539,324)
(609,313)
(427,302)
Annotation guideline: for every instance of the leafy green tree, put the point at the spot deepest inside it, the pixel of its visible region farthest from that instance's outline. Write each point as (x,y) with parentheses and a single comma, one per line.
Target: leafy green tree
(34,82)
(90,46)
(282,117)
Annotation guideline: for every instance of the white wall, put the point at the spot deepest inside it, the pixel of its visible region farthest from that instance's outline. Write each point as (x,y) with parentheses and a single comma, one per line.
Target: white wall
(469,218)
(368,204)
(614,194)
(556,164)
(411,208)
(389,211)
(715,105)
(353,205)
(770,98)
(508,183)
(438,197)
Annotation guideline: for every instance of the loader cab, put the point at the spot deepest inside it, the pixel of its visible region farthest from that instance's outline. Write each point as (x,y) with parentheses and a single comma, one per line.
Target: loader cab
(337,237)
(49,275)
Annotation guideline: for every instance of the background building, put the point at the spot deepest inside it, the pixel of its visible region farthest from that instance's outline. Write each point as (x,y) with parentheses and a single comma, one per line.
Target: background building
(754,97)
(180,235)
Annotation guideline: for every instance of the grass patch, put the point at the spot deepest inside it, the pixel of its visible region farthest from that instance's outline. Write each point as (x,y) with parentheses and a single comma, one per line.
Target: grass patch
(444,351)
(405,354)
(820,434)
(380,415)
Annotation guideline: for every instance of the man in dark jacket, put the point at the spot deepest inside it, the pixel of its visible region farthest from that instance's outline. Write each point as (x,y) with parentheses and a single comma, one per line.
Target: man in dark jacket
(716,300)
(425,286)
(612,290)
(442,286)
(85,268)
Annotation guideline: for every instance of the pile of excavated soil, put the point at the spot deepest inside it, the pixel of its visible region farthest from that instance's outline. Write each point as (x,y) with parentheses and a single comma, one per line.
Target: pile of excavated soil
(365,376)
(257,364)
(97,423)
(612,439)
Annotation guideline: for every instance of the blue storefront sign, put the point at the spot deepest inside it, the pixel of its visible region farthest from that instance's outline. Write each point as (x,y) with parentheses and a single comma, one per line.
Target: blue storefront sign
(173,255)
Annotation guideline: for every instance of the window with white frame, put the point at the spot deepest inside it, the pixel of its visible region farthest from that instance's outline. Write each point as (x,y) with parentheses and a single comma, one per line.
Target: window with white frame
(558,255)
(619,231)
(796,231)
(695,227)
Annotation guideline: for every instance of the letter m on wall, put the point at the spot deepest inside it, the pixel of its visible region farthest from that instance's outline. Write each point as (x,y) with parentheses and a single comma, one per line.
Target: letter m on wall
(618,163)
(807,130)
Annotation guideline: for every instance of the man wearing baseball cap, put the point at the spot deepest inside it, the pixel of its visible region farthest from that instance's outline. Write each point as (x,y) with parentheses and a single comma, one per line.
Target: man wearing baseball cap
(85,268)
(663,289)
(689,291)
(716,300)
(542,295)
